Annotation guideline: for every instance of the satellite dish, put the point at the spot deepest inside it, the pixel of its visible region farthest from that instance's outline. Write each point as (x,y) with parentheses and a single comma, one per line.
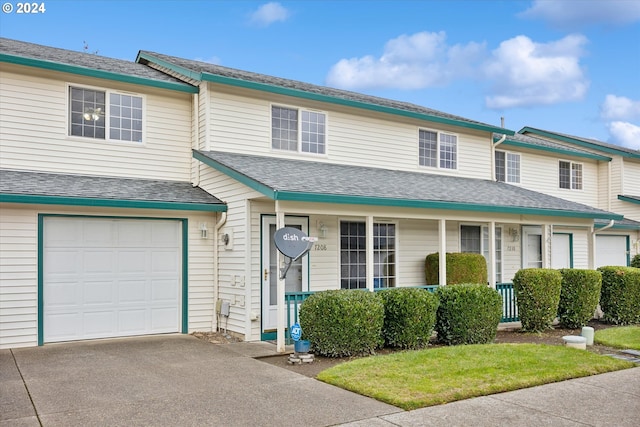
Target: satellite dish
(292,243)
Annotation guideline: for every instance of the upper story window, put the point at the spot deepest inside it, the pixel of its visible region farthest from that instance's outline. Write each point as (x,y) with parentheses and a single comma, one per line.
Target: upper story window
(507,167)
(104,114)
(570,175)
(298,130)
(437,149)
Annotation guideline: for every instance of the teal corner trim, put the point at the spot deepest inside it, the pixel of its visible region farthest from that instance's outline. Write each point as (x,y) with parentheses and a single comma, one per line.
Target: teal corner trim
(111,203)
(185,276)
(629,199)
(40,280)
(100,74)
(297,93)
(521,144)
(579,142)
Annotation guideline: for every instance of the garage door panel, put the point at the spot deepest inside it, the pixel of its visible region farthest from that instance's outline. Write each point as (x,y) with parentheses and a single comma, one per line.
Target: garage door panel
(111,277)
(611,250)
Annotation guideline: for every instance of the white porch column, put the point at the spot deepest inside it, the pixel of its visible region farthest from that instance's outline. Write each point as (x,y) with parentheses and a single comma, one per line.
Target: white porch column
(492,254)
(546,239)
(370,262)
(280,311)
(442,252)
(592,248)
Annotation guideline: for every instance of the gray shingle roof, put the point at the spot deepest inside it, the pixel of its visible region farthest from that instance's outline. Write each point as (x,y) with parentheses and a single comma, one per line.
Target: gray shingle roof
(28,183)
(374,184)
(204,67)
(81,59)
(590,141)
(544,143)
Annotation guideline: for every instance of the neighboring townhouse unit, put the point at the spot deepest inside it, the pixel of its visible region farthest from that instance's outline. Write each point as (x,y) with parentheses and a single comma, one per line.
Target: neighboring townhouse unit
(381,183)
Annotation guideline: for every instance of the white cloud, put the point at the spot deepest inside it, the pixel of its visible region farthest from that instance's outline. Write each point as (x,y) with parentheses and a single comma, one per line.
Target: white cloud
(625,134)
(524,73)
(408,62)
(269,13)
(580,13)
(619,108)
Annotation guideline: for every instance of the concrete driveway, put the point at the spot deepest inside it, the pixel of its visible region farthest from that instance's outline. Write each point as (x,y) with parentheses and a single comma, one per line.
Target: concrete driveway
(171,380)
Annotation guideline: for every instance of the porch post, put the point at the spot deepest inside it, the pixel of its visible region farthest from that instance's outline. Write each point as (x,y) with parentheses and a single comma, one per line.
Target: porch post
(442,251)
(592,248)
(370,261)
(280,325)
(492,254)
(546,242)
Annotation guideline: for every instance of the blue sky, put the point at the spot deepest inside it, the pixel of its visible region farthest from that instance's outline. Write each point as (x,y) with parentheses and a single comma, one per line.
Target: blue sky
(570,66)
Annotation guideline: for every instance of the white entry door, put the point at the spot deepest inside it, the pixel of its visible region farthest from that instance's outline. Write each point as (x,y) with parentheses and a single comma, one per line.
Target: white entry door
(611,250)
(531,247)
(106,277)
(297,276)
(561,251)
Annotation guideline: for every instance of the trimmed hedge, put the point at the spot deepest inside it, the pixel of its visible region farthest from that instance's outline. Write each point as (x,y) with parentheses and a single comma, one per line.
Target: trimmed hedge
(537,292)
(620,297)
(461,268)
(409,317)
(579,296)
(343,322)
(635,262)
(467,314)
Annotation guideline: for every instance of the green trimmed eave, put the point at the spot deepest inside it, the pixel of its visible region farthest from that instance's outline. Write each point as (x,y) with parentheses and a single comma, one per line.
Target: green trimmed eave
(110,203)
(628,199)
(275,194)
(195,75)
(297,93)
(578,142)
(100,74)
(618,227)
(520,144)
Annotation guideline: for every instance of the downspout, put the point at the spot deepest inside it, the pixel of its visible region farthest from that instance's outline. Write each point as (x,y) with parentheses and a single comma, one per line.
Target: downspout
(216,269)
(493,155)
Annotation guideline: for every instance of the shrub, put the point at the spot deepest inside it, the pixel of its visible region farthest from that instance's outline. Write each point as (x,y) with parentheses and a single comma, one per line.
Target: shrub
(343,322)
(620,297)
(537,292)
(467,314)
(579,296)
(635,262)
(461,268)
(409,317)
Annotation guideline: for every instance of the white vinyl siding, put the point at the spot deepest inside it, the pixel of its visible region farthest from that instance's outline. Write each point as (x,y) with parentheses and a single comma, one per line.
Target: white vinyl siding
(19,263)
(34,131)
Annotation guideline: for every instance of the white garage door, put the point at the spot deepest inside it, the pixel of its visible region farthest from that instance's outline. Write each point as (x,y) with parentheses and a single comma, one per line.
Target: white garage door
(611,250)
(106,277)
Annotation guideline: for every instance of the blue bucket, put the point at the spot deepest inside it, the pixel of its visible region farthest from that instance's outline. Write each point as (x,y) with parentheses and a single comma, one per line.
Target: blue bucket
(301,346)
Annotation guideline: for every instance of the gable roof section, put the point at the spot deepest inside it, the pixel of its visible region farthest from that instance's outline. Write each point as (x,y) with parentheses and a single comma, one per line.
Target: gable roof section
(629,198)
(86,64)
(82,190)
(584,142)
(203,71)
(526,141)
(307,181)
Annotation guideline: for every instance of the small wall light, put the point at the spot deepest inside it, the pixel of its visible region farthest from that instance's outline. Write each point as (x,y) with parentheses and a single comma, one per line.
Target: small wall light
(322,229)
(204,233)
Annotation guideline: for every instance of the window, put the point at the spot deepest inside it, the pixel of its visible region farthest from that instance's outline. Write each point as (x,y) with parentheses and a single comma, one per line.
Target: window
(475,239)
(292,128)
(570,175)
(90,115)
(507,167)
(353,255)
(438,149)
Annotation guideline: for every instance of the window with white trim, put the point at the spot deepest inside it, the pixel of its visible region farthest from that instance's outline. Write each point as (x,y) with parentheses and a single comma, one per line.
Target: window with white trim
(570,175)
(353,255)
(475,239)
(90,115)
(507,167)
(298,130)
(437,149)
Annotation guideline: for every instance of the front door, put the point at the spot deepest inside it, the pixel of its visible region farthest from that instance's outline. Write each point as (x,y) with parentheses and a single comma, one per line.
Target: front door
(297,276)
(531,247)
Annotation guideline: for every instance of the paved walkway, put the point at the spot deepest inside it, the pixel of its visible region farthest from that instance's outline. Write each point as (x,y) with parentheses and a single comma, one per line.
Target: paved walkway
(180,380)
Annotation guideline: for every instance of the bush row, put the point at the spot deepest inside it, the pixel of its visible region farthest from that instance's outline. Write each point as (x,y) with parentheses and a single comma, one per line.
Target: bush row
(355,322)
(620,297)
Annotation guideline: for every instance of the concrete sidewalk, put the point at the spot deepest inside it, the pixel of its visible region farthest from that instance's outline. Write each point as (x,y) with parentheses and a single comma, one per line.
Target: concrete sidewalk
(178,380)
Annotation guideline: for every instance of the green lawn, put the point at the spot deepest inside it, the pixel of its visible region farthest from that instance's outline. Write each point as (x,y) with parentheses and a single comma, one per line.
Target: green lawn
(415,379)
(626,337)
